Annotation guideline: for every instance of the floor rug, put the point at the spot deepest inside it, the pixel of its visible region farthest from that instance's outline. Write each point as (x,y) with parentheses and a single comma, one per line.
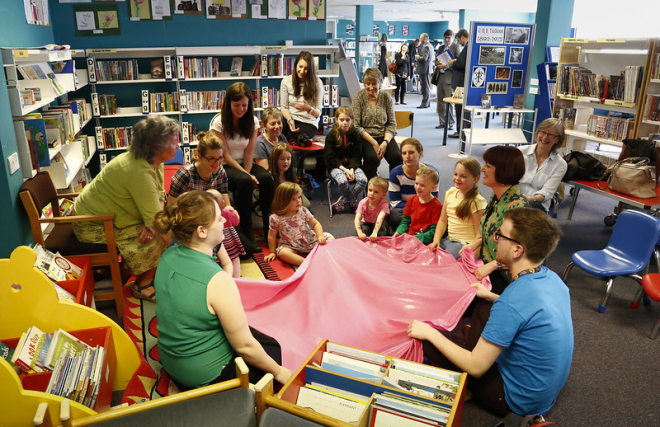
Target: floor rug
(150,381)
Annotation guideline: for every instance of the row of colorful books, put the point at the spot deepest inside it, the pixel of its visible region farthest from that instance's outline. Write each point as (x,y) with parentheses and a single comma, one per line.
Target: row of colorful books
(116,70)
(116,137)
(652,108)
(161,102)
(107,104)
(612,128)
(655,66)
(580,81)
(436,385)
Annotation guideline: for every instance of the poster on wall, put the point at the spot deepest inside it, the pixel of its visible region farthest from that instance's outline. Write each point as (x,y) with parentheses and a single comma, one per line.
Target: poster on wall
(218,9)
(297,9)
(390,30)
(376,30)
(404,30)
(316,9)
(36,12)
(499,59)
(139,10)
(349,29)
(189,6)
(96,20)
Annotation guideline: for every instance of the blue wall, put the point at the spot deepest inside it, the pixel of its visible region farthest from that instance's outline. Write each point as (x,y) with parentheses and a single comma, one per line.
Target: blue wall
(494,16)
(435,30)
(187,30)
(14,227)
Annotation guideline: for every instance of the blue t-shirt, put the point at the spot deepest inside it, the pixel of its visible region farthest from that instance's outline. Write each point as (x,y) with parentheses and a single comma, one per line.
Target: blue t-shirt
(532,321)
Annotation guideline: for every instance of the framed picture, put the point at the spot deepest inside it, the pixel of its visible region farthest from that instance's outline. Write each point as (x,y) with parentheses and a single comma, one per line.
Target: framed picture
(516,55)
(316,9)
(297,9)
(497,87)
(188,6)
(492,55)
(404,30)
(96,20)
(517,79)
(516,35)
(139,9)
(502,73)
(216,9)
(478,77)
(376,30)
(390,30)
(349,29)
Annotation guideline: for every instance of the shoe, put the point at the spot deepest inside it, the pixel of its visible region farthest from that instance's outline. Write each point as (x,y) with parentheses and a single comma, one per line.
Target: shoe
(421,106)
(440,126)
(353,205)
(451,127)
(137,291)
(339,205)
(396,103)
(453,135)
(403,103)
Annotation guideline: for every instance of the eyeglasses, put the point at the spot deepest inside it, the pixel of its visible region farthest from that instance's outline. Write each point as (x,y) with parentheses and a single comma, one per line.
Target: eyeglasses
(498,235)
(213,160)
(549,135)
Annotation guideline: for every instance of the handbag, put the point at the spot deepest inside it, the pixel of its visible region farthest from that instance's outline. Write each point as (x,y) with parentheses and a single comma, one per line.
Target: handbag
(392,67)
(435,78)
(632,176)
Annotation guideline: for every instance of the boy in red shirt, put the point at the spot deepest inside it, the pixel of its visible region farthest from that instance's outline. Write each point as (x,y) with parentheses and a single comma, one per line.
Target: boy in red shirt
(422,210)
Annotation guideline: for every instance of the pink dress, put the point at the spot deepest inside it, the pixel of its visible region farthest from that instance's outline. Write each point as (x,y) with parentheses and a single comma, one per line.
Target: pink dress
(294,231)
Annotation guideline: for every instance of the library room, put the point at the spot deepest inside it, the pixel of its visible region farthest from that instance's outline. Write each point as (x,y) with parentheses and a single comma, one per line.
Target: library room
(471,191)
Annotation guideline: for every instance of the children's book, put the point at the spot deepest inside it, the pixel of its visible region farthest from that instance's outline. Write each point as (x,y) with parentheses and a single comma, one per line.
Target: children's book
(157,69)
(236,66)
(63,343)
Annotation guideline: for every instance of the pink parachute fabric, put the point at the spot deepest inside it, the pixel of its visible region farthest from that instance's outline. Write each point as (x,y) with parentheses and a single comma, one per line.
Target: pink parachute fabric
(362,295)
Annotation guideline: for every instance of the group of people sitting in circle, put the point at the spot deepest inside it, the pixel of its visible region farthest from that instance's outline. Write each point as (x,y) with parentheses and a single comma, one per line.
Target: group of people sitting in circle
(196,236)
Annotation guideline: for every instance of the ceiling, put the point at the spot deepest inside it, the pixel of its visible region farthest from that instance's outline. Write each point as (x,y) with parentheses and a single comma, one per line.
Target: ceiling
(423,10)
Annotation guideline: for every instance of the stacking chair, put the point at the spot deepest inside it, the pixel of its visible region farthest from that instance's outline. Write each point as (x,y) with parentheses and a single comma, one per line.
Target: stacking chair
(404,119)
(39,191)
(627,253)
(651,288)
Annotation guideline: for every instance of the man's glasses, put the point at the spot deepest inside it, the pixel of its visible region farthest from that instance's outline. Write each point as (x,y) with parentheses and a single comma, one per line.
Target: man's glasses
(549,135)
(213,160)
(498,235)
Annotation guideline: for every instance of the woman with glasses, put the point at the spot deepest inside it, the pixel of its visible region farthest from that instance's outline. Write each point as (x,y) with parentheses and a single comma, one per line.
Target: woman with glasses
(502,170)
(237,127)
(207,173)
(544,168)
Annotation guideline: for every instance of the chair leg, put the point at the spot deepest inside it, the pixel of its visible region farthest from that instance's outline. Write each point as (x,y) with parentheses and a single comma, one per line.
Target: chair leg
(567,270)
(329,190)
(654,332)
(608,290)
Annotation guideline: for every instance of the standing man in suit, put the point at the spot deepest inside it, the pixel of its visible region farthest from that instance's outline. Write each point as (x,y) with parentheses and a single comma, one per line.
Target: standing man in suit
(424,69)
(458,73)
(443,89)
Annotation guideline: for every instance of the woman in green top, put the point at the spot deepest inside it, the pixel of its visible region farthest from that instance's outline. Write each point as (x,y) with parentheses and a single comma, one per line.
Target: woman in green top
(130,186)
(201,323)
(503,168)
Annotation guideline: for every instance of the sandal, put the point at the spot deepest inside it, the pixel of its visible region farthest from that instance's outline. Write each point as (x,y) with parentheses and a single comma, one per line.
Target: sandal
(137,291)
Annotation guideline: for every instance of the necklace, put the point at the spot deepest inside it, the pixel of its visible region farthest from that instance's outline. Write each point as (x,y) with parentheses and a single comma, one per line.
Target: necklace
(527,271)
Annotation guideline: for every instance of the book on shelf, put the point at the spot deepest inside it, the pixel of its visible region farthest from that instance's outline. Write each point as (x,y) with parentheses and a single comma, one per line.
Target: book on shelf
(55,265)
(332,404)
(157,68)
(652,108)
(431,387)
(61,344)
(116,70)
(386,417)
(26,351)
(352,367)
(236,66)
(445,57)
(412,407)
(519,100)
(485,101)
(6,352)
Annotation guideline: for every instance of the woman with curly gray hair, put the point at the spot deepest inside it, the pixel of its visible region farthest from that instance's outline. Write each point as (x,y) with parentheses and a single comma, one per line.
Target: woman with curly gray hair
(130,186)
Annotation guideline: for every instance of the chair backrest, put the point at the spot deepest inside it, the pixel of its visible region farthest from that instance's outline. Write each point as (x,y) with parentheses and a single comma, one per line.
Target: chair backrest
(404,119)
(178,158)
(36,193)
(634,236)
(274,417)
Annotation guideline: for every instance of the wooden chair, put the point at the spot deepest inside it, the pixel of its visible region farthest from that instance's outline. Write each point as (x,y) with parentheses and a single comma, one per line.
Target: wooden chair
(38,192)
(229,403)
(404,119)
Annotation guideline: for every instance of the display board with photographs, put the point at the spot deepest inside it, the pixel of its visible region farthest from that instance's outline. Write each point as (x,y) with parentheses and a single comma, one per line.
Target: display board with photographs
(498,62)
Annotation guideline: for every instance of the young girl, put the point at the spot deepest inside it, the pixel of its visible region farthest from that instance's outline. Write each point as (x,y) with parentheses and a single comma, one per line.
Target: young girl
(299,230)
(464,206)
(343,157)
(280,166)
(231,220)
(372,210)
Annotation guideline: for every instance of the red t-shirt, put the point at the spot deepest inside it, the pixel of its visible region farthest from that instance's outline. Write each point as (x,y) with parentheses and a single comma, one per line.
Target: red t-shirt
(422,215)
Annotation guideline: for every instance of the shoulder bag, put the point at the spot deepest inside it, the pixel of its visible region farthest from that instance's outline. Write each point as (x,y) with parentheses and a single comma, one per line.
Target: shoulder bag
(392,67)
(632,176)
(435,78)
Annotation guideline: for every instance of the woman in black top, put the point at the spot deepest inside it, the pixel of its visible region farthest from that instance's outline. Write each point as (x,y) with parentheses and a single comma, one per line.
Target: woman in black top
(402,74)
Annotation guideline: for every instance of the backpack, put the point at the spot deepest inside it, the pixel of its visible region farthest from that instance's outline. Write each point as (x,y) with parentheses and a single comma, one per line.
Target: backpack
(583,166)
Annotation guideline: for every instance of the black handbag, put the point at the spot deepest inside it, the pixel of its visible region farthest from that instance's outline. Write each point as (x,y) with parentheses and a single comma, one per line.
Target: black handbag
(435,78)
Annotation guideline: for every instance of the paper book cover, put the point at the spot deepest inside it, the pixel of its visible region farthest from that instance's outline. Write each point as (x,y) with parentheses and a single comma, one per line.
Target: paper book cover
(42,350)
(427,371)
(331,405)
(35,132)
(26,354)
(445,57)
(236,66)
(157,68)
(519,100)
(6,352)
(63,343)
(386,417)
(485,101)
(444,391)
(413,407)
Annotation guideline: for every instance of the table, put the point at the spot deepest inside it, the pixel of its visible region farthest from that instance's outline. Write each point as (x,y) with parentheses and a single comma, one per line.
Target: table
(450,100)
(316,149)
(646,204)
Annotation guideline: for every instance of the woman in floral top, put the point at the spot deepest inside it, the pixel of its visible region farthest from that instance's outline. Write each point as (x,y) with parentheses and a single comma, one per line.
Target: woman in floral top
(503,168)
(373,112)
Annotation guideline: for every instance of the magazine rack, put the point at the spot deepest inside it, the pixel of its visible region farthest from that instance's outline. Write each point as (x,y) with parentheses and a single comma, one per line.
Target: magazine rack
(28,299)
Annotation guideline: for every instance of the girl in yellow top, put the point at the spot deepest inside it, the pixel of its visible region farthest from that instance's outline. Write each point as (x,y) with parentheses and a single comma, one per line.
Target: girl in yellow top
(464,206)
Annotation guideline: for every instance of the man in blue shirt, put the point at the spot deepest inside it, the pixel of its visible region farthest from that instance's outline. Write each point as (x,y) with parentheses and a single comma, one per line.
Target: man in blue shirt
(522,358)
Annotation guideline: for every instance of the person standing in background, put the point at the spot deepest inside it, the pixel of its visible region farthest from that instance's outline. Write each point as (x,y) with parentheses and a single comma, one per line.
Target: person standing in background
(383,62)
(458,73)
(424,69)
(402,74)
(443,89)
(412,51)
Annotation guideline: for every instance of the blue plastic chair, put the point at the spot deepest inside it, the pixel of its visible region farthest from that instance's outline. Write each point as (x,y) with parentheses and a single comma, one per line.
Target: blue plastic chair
(628,252)
(178,158)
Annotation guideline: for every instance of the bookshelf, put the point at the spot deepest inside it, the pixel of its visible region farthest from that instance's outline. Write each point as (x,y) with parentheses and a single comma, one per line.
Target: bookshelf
(650,111)
(547,74)
(193,85)
(583,69)
(39,81)
(28,298)
(311,372)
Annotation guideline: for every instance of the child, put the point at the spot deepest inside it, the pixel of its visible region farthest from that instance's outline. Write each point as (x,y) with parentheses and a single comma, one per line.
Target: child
(422,210)
(231,220)
(271,122)
(280,166)
(299,230)
(372,210)
(343,157)
(464,206)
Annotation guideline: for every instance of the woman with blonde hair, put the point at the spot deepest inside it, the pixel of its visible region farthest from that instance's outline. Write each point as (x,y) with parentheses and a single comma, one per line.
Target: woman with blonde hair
(202,327)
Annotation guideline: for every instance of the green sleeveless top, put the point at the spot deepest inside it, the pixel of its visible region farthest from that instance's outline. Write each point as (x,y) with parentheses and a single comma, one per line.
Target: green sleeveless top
(192,345)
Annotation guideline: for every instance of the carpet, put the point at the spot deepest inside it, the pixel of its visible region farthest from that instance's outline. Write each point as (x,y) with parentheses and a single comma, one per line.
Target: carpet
(150,381)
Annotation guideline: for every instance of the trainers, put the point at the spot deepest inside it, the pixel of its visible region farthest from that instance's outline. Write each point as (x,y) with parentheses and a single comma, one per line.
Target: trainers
(353,205)
(339,205)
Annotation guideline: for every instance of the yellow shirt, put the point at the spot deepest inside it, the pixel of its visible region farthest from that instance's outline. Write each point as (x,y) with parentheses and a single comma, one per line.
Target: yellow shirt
(461,230)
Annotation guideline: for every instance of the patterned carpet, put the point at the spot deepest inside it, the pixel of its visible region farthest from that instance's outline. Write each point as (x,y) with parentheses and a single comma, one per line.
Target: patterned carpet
(150,381)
